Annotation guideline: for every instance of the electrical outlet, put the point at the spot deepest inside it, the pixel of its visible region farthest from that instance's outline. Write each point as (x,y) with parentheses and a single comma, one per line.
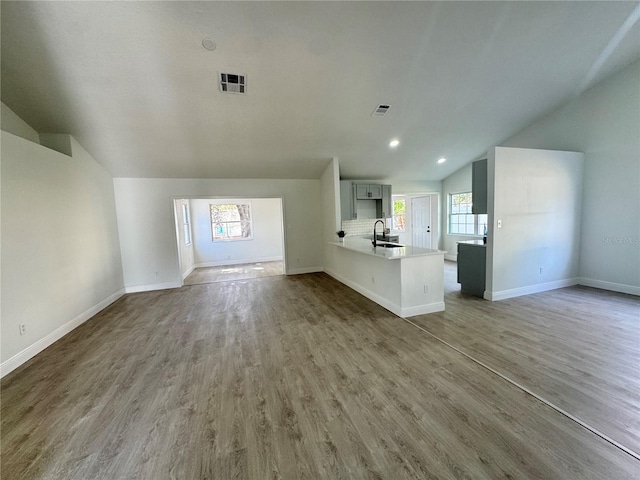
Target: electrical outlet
(23,328)
(426,289)
(541,270)
(373,279)
(499,223)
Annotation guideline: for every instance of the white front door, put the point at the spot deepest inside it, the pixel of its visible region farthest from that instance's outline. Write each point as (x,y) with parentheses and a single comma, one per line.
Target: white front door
(421,221)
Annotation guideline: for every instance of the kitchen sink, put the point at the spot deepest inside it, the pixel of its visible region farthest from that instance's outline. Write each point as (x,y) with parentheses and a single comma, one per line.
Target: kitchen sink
(389,245)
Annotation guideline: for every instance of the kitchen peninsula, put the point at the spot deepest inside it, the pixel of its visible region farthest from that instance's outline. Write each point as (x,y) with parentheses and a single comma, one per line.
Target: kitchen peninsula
(406,280)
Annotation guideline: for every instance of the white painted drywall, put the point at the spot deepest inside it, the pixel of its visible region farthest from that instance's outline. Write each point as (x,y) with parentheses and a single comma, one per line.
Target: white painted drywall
(186,251)
(60,246)
(266,244)
(457,182)
(537,196)
(59,143)
(331,214)
(604,123)
(147,232)
(12,123)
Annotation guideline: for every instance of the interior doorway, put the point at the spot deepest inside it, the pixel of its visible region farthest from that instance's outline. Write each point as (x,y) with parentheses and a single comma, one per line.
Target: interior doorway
(229,239)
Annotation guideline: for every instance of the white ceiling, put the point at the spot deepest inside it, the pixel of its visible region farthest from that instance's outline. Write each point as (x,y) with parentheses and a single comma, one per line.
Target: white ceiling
(132,82)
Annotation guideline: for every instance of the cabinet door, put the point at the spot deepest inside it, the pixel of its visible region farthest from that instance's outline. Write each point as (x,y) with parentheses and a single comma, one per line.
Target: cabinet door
(479,187)
(375,192)
(362,191)
(471,268)
(385,208)
(347,209)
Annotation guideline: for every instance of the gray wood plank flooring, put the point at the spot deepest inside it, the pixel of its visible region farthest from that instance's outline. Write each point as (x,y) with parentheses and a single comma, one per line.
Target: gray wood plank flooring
(225,273)
(282,377)
(578,347)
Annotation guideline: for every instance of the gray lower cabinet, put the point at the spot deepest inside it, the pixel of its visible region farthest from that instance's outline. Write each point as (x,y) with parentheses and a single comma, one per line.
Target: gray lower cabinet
(472,265)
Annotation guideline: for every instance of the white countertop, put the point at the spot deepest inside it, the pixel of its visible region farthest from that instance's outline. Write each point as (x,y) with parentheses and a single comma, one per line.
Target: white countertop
(363,245)
(477,243)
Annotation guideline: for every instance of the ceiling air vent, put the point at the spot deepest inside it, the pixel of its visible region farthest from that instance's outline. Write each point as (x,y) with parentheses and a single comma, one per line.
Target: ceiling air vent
(380,110)
(233,83)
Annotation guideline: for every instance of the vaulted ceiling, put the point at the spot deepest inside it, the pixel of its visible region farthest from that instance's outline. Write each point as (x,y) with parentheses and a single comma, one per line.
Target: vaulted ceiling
(133,83)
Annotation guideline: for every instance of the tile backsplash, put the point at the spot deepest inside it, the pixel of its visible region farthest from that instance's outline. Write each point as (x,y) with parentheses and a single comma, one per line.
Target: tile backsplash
(360,228)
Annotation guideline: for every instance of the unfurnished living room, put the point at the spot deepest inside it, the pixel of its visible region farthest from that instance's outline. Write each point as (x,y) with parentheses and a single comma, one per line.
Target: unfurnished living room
(320,240)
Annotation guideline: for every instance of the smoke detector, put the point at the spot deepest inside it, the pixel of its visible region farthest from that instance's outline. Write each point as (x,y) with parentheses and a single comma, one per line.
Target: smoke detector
(233,83)
(380,110)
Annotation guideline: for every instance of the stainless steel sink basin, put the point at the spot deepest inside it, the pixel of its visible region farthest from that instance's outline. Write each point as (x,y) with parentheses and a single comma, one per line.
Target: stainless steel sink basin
(389,244)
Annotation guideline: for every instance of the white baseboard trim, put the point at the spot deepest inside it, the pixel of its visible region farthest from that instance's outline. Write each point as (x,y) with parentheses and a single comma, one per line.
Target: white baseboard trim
(237,262)
(614,287)
(32,350)
(451,257)
(530,289)
(422,309)
(151,287)
(299,271)
(389,305)
(374,297)
(188,272)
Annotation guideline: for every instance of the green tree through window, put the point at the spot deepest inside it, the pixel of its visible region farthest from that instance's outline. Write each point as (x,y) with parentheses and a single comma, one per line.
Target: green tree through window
(231,222)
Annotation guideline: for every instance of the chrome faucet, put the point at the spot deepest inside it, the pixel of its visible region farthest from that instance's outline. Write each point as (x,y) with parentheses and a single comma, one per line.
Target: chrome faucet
(375,237)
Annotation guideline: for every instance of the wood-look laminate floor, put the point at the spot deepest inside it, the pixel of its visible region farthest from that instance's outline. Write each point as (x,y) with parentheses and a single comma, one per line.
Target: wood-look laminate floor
(577,347)
(277,378)
(226,273)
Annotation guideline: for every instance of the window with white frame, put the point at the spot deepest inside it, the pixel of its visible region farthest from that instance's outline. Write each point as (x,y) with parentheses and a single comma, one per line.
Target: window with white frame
(461,220)
(231,222)
(399,214)
(186,224)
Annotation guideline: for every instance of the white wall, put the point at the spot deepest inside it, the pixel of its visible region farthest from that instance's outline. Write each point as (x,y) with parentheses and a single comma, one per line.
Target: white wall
(12,123)
(457,182)
(147,233)
(267,241)
(537,195)
(186,251)
(604,123)
(331,214)
(60,248)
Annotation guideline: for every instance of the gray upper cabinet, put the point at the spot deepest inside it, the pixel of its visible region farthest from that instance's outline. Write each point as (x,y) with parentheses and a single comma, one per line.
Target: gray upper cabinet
(351,192)
(384,208)
(366,191)
(347,207)
(362,191)
(479,187)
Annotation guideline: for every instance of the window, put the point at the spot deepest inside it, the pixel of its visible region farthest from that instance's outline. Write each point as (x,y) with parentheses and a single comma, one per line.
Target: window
(186,224)
(231,222)
(461,220)
(399,215)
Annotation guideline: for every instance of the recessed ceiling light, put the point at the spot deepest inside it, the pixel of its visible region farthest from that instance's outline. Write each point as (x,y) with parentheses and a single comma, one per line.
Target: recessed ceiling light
(394,143)
(442,160)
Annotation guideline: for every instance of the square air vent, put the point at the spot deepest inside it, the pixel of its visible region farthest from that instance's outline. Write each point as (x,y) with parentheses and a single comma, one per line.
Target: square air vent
(380,110)
(233,83)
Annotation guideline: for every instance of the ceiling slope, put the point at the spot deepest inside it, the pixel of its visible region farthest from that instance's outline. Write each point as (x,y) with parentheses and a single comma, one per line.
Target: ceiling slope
(133,83)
